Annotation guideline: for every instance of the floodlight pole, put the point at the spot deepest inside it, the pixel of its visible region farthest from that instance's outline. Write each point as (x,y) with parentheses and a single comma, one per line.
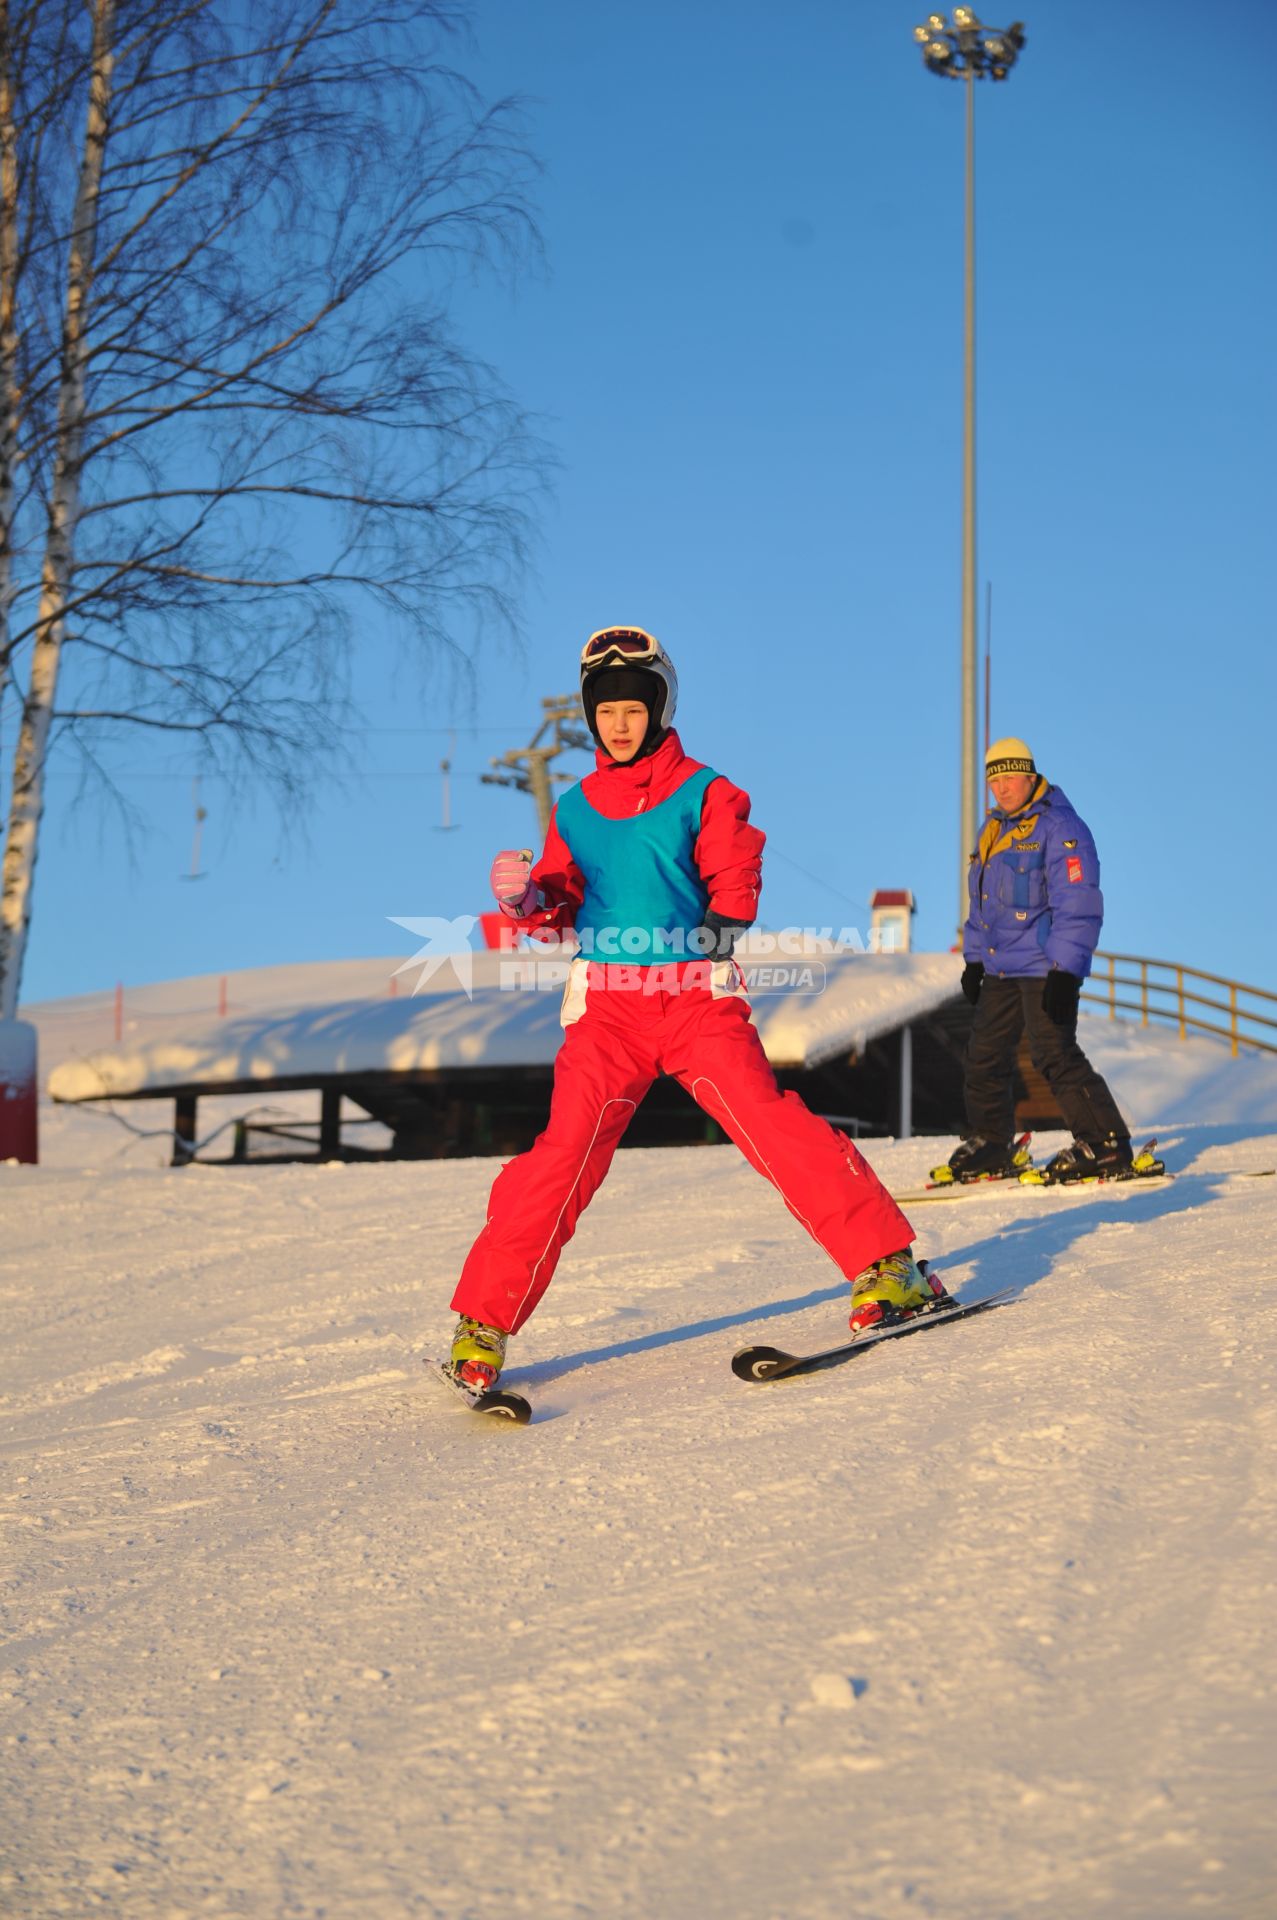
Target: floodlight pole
(970,782)
(968,51)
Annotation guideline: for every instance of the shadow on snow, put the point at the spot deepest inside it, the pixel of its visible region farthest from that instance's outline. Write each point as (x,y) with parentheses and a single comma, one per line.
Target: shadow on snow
(1017,1254)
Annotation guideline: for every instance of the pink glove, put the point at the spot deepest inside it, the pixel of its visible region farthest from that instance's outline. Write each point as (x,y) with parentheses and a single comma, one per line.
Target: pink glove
(511,882)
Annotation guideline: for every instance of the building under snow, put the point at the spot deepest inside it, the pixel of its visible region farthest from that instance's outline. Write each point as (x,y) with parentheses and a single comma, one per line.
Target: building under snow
(460,1061)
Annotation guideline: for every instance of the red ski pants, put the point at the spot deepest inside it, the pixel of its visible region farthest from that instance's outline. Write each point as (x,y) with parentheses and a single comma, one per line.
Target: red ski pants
(606,1064)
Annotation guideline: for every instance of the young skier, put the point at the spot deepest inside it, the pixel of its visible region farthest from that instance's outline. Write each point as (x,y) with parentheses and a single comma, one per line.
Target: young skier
(651,860)
(1034,922)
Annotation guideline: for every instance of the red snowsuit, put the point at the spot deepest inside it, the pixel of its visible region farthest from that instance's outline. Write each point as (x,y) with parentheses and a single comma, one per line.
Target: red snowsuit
(690,1019)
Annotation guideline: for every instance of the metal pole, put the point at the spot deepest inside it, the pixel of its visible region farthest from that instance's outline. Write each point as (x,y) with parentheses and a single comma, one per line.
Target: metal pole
(988,671)
(906,1083)
(969,781)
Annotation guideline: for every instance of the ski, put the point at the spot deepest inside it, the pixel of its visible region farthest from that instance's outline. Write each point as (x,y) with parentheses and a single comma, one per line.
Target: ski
(496,1404)
(1144,1167)
(976,1187)
(773,1363)
(959,1190)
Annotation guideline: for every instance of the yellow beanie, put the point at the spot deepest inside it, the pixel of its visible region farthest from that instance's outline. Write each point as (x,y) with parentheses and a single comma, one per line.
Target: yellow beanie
(1008,756)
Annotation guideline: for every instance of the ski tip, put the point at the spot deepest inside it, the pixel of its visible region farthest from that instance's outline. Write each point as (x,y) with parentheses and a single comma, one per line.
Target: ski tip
(759,1363)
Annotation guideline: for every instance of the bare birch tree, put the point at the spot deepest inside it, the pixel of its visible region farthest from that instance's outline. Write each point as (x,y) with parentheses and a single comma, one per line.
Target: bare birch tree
(234,421)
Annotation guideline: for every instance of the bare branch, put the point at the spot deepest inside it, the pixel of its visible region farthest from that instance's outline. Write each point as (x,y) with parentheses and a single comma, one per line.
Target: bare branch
(237,423)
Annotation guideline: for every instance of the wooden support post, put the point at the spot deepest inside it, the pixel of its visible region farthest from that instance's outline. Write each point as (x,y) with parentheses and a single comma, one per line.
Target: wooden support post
(184,1136)
(330,1123)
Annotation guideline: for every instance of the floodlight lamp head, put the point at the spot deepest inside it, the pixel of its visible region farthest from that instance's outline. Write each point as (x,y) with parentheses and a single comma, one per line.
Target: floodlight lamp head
(922,35)
(964,17)
(937,22)
(1015,34)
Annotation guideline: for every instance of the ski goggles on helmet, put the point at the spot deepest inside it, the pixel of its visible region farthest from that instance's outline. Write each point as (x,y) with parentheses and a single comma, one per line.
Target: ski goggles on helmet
(620,646)
(628,647)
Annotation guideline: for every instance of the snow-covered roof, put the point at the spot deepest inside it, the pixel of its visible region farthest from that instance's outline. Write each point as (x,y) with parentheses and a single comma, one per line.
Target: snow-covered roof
(290,1025)
(864,995)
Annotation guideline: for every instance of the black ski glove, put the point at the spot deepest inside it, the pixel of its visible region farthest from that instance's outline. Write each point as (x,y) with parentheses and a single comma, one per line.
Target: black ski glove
(972,978)
(716,937)
(1060,992)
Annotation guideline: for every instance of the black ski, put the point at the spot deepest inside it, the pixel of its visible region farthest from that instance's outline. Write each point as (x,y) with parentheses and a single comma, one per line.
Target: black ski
(497,1404)
(772,1363)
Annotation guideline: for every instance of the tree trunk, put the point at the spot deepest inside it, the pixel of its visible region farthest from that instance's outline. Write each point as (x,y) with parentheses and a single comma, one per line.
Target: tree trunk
(27,803)
(8,330)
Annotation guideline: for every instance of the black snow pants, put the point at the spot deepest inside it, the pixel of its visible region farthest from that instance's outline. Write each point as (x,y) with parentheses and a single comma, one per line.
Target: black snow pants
(1004,1009)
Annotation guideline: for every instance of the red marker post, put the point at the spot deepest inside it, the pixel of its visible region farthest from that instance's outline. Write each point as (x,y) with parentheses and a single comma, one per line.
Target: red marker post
(19,1134)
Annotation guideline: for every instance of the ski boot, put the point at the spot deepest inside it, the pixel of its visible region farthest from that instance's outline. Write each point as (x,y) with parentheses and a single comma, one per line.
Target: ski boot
(1107,1159)
(477,1356)
(894,1289)
(979,1159)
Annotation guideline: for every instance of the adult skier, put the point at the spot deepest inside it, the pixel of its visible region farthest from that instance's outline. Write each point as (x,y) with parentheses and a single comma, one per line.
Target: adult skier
(1033,926)
(652,862)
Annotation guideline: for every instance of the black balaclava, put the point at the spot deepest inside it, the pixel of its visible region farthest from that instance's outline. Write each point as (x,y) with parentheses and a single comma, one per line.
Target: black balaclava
(626,683)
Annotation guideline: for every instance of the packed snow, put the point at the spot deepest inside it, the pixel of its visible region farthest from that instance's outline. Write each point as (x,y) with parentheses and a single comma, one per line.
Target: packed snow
(977,1627)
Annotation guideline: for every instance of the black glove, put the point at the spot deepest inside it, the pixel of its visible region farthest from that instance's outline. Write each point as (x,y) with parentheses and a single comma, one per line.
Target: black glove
(715,937)
(972,977)
(1060,992)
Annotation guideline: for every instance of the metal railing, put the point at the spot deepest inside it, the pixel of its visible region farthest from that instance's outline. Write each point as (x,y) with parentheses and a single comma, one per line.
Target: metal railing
(1162,994)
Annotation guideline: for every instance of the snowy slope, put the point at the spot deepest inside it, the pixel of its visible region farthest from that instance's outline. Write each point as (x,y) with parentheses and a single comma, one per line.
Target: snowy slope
(1161,1079)
(978,1627)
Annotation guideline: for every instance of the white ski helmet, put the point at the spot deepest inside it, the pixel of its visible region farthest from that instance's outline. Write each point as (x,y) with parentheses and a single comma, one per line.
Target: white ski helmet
(629,647)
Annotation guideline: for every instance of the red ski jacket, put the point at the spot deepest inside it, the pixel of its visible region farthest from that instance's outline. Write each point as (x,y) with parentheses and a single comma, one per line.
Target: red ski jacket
(727,851)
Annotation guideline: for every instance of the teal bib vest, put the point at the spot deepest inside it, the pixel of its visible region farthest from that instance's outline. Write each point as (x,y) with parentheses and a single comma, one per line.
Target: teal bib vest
(641,884)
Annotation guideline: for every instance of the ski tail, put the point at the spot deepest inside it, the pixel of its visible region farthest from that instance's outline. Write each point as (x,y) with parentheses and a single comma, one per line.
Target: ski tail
(496,1403)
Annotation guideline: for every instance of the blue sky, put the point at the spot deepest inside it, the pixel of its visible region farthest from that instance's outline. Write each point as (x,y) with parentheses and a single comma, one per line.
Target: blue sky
(745,348)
